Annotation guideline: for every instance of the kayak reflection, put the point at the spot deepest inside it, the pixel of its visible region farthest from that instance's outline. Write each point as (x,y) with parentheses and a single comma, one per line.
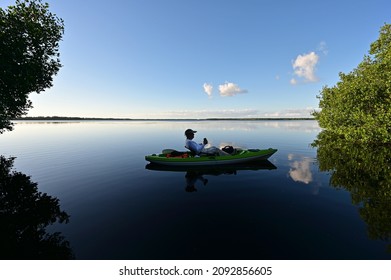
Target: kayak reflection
(195,174)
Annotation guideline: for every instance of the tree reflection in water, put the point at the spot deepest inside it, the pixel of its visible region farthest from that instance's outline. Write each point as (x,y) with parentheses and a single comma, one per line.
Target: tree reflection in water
(365,171)
(24,215)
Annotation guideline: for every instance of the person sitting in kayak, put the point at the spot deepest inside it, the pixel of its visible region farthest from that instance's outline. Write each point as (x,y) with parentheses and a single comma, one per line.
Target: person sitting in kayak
(200,148)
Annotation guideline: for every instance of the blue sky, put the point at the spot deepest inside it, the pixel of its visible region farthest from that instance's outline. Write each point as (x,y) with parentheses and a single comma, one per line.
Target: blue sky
(204,58)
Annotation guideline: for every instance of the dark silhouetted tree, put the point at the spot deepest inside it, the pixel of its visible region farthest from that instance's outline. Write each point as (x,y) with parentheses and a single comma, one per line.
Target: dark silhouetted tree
(29,56)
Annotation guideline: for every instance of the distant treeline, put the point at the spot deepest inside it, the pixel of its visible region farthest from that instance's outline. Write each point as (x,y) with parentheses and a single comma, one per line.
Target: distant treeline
(259,119)
(57,118)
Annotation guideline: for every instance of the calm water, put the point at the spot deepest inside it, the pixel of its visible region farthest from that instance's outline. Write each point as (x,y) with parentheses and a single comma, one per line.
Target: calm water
(120,209)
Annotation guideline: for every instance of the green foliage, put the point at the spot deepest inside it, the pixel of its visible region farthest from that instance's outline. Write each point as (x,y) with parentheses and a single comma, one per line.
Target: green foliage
(358,107)
(29,55)
(365,171)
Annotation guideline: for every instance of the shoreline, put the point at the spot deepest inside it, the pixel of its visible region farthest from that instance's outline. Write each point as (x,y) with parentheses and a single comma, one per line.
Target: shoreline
(57,118)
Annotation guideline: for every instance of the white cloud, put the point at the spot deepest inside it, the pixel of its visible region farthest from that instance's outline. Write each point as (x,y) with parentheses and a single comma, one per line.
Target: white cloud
(293,81)
(290,113)
(230,89)
(322,47)
(226,113)
(208,88)
(223,113)
(305,66)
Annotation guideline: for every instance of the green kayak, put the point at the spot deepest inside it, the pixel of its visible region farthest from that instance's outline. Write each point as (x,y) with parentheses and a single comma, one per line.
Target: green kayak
(176,158)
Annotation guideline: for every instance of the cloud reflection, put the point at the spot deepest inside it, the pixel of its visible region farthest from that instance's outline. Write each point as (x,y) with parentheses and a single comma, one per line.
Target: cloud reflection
(300,170)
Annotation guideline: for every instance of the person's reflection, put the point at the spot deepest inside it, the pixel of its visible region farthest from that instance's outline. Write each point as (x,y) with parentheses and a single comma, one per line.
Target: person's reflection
(191,178)
(197,173)
(24,215)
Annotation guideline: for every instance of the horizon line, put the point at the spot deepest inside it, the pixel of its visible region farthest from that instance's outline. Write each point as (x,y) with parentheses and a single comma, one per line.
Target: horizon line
(158,119)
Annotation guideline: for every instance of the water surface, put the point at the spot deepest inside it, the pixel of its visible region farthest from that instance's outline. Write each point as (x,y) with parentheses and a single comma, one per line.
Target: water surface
(119,208)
